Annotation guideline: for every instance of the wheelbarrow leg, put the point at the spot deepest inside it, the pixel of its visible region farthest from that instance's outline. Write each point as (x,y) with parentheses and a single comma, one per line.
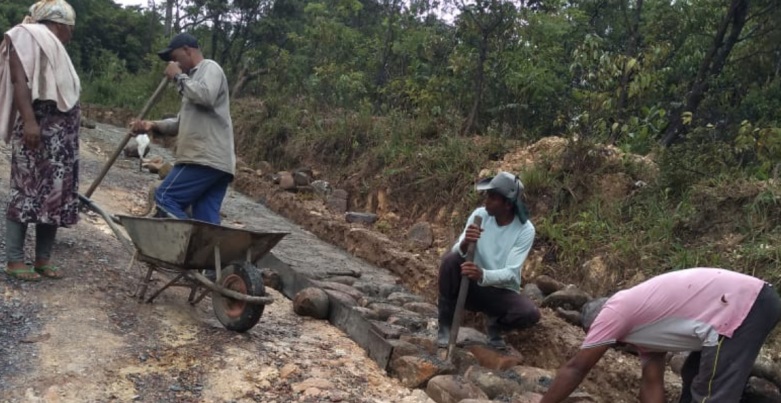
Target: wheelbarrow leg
(191,298)
(217,263)
(163,288)
(144,284)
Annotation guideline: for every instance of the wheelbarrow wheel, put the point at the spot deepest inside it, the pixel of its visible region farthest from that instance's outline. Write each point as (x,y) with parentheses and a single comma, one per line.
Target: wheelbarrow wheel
(236,315)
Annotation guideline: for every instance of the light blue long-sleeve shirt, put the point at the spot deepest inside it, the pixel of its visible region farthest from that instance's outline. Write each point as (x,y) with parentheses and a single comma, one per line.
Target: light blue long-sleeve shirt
(501,250)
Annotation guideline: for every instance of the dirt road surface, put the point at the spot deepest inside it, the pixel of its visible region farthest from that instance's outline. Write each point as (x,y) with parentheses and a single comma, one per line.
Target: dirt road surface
(85,339)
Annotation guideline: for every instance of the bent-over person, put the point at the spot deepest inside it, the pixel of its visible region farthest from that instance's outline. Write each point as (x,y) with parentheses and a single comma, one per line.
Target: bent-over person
(721,316)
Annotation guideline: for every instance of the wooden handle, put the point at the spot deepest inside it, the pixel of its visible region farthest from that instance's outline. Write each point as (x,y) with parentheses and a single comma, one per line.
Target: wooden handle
(470,250)
(461,301)
(149,103)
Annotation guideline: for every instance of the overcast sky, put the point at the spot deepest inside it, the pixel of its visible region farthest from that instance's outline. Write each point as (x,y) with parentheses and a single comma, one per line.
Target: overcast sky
(131,2)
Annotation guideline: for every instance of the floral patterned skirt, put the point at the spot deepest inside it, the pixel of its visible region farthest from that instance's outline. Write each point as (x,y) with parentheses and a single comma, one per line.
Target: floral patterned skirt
(45,182)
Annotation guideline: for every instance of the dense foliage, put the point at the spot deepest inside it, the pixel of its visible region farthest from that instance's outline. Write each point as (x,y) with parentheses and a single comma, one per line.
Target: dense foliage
(408,83)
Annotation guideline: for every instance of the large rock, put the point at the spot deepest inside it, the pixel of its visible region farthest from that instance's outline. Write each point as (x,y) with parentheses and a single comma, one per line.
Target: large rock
(463,359)
(412,323)
(318,383)
(321,187)
(452,389)
(368,288)
(533,379)
(403,348)
(414,371)
(580,397)
(301,178)
(534,293)
(527,397)
(88,123)
(402,298)
(337,201)
(494,384)
(492,359)
(360,218)
(388,330)
(286,181)
(312,302)
(469,335)
(570,298)
(548,284)
(760,390)
(676,361)
(385,290)
(366,313)
(346,280)
(330,285)
(341,297)
(421,235)
(385,311)
(265,167)
(271,279)
(426,343)
(423,308)
(573,317)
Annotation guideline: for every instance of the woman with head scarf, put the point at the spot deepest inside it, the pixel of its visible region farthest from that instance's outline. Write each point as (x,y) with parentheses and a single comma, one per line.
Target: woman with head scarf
(39,117)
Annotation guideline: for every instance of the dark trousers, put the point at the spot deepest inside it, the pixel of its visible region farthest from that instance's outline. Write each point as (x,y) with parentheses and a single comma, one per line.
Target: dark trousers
(196,186)
(719,373)
(513,310)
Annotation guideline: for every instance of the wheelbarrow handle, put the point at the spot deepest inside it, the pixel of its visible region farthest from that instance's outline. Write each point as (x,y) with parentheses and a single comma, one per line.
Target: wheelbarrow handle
(111,221)
(149,103)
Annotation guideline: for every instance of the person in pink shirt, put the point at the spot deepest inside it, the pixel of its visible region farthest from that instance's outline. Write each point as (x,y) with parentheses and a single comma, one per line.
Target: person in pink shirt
(722,317)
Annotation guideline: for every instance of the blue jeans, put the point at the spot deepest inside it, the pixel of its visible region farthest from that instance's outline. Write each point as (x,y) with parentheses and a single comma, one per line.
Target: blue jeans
(196,186)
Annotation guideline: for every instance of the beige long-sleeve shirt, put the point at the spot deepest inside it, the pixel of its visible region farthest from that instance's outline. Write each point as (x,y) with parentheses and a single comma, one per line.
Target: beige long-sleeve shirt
(203,127)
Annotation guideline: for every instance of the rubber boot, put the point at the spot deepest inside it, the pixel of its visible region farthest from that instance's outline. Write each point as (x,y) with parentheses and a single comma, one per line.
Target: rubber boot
(445,309)
(493,331)
(443,335)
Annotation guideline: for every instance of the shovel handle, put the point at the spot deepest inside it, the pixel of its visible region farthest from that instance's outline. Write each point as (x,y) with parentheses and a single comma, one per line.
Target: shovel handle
(149,103)
(461,301)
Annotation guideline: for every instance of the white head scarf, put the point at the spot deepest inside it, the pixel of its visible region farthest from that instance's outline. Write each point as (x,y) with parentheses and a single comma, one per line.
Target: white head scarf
(51,10)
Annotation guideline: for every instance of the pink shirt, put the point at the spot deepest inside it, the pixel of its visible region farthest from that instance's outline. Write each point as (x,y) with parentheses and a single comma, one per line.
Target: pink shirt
(683,310)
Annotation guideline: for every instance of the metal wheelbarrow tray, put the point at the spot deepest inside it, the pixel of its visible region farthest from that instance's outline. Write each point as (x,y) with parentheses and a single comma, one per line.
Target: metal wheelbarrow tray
(185,247)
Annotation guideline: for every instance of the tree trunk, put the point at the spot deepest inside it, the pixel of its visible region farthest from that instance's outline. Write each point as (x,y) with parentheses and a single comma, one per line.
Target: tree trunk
(479,83)
(245,76)
(633,43)
(381,78)
(169,17)
(215,36)
(710,67)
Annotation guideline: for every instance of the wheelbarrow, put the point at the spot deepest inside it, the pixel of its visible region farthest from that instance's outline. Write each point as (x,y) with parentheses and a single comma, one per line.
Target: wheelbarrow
(188,248)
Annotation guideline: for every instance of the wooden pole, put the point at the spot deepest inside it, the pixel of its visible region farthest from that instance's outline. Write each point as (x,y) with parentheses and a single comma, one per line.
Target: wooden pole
(461,301)
(149,103)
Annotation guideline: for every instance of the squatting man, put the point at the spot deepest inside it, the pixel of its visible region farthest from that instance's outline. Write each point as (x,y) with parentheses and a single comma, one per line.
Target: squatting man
(503,242)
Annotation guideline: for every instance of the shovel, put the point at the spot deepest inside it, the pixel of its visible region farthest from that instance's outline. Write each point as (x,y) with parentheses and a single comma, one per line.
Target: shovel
(461,301)
(149,103)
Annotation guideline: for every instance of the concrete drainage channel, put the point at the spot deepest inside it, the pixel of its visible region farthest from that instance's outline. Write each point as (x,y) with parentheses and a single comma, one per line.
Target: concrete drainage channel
(397,330)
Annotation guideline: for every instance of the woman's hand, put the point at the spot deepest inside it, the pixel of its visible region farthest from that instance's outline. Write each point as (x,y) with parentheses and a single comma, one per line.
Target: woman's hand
(31,135)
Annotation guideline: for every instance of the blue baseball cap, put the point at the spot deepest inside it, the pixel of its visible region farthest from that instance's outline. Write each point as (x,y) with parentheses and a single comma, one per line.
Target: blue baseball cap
(178,41)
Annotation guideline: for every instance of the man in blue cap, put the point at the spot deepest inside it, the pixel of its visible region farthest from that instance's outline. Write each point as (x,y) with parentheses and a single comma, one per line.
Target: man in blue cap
(503,242)
(205,158)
